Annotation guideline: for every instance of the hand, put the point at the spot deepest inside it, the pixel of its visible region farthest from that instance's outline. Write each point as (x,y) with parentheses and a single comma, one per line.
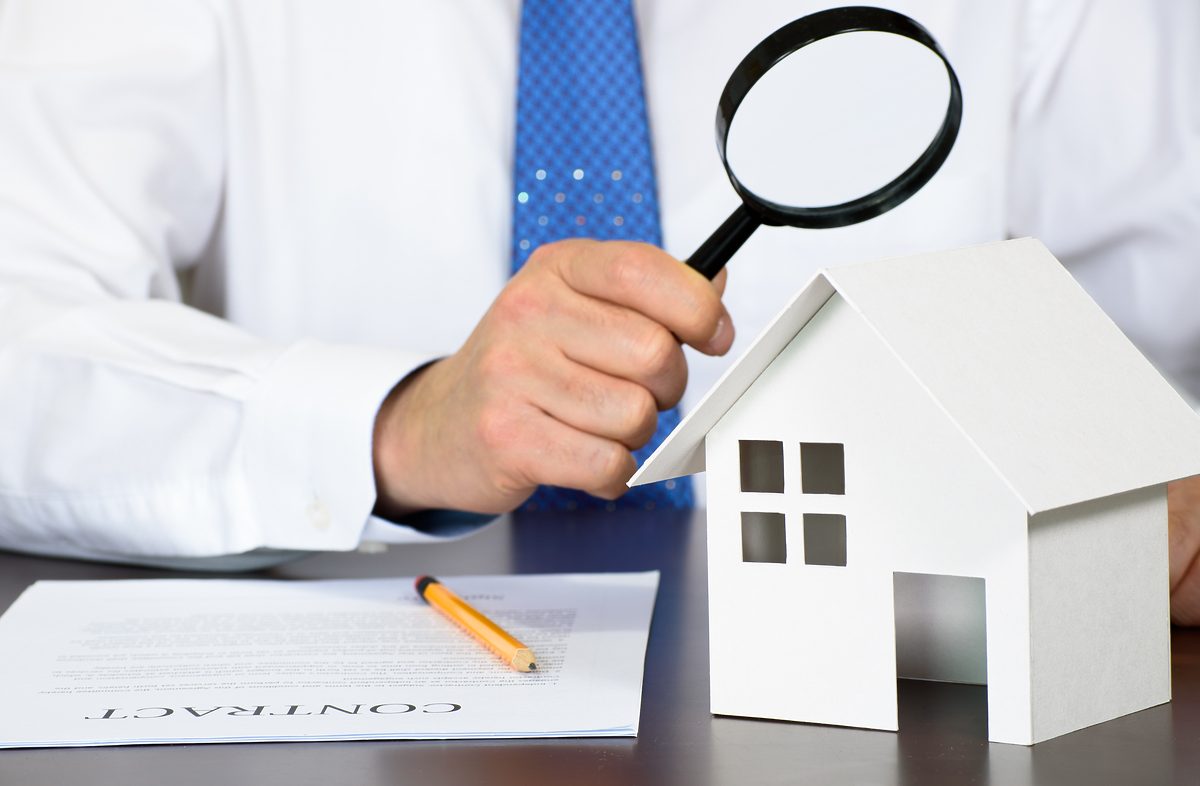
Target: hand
(562,378)
(1183,521)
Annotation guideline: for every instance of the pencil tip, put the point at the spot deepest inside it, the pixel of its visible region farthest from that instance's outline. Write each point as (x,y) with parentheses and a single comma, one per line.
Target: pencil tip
(533,667)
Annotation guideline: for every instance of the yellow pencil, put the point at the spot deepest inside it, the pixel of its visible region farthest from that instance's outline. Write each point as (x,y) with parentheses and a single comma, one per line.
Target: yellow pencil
(511,651)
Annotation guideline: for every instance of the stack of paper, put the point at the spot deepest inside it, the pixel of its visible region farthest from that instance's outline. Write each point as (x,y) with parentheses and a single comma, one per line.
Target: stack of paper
(169,661)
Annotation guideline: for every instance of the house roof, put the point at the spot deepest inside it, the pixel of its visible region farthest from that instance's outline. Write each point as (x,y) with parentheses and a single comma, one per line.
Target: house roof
(1049,391)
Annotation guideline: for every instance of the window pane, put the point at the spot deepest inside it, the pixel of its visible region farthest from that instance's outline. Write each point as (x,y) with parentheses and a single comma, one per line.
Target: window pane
(763,538)
(824,539)
(762,465)
(822,468)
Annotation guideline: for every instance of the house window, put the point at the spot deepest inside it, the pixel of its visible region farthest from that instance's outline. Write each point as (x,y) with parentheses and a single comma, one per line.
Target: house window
(763,538)
(822,468)
(824,539)
(822,471)
(761,465)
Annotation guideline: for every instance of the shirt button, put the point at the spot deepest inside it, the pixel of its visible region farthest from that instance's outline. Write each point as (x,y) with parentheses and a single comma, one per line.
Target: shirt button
(318,515)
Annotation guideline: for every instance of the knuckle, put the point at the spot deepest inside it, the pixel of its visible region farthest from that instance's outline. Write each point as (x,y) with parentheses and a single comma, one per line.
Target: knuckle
(674,388)
(540,256)
(631,269)
(703,315)
(548,256)
(496,429)
(520,302)
(611,464)
(656,352)
(642,416)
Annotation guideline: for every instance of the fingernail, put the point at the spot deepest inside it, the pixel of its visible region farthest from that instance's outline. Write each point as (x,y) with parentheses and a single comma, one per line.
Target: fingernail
(722,338)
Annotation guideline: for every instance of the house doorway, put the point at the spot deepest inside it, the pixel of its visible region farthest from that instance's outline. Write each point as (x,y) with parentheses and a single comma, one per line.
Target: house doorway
(941,628)
(941,637)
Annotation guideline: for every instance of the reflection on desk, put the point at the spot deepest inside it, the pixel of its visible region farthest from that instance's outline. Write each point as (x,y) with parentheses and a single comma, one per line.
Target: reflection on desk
(943,726)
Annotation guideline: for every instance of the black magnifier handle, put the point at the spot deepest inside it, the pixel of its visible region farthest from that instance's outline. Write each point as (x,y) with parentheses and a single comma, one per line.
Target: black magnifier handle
(722,244)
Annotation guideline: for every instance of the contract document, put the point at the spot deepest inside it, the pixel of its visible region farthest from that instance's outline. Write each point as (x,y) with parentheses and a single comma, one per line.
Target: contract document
(214,660)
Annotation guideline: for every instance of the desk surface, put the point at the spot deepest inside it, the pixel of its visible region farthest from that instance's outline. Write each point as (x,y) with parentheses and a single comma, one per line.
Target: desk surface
(943,727)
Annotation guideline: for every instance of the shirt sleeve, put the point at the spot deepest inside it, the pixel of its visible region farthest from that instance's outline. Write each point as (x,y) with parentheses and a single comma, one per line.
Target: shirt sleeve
(1106,163)
(135,426)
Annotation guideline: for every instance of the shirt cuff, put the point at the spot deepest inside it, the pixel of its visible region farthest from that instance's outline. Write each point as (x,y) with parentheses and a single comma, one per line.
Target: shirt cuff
(427,526)
(309,476)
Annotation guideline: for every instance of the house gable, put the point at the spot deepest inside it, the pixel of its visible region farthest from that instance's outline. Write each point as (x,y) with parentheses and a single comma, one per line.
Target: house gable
(1035,375)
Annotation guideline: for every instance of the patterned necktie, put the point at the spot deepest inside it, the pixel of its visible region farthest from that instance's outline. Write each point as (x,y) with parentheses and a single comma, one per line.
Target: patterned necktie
(584,167)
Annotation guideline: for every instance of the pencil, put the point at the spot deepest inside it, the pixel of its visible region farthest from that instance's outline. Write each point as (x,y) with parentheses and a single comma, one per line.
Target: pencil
(495,638)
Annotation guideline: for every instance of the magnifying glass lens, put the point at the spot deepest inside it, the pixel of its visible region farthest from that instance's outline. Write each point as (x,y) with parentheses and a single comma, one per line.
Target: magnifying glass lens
(837,119)
(844,114)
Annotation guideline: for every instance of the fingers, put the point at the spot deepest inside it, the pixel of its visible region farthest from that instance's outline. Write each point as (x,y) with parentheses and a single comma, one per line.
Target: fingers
(558,382)
(559,455)
(529,447)
(528,377)
(622,343)
(596,403)
(649,281)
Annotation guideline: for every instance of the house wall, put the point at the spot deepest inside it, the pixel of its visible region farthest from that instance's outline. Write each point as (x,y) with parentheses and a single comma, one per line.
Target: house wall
(816,642)
(1101,645)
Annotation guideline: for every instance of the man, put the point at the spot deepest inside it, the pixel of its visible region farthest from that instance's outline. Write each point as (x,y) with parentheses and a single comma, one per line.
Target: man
(335,181)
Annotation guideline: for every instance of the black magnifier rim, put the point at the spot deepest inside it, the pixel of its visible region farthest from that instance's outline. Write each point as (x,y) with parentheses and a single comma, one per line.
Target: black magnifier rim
(797,35)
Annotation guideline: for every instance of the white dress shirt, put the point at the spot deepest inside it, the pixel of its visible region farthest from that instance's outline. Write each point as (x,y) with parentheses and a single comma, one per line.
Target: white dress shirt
(329,183)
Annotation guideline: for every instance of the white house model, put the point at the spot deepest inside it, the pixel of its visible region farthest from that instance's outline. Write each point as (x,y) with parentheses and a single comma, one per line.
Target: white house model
(950,466)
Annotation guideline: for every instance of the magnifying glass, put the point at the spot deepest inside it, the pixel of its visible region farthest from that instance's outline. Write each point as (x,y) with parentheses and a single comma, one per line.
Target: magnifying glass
(775,49)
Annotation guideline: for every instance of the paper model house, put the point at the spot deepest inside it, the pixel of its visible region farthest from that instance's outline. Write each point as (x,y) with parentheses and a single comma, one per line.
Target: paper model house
(952,467)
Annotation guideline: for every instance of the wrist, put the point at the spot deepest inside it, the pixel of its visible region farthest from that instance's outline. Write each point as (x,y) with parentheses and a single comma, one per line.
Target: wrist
(396,452)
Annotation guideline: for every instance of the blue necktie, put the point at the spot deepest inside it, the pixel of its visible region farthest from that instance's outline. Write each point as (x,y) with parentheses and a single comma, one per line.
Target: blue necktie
(584,167)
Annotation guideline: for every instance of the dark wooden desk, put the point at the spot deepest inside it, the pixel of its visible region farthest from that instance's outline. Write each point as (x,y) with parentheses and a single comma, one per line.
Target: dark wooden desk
(943,726)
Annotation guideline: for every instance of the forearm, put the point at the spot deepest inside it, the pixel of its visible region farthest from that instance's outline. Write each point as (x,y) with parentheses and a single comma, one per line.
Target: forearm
(147,428)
